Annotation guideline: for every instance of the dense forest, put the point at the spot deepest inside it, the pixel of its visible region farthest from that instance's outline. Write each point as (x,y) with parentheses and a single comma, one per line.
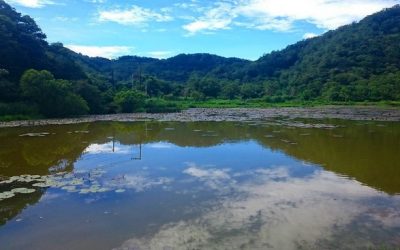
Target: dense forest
(357,62)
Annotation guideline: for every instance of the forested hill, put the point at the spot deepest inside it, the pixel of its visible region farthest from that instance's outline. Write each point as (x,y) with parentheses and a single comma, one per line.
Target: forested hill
(360,61)
(357,62)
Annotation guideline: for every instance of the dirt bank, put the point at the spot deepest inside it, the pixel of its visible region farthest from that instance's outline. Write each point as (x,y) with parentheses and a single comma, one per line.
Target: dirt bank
(236,114)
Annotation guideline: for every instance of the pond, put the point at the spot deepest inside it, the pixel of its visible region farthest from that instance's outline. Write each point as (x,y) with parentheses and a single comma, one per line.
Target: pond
(275,184)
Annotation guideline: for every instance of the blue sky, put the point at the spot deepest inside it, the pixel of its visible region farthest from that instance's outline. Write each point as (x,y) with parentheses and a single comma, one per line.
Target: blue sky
(164,28)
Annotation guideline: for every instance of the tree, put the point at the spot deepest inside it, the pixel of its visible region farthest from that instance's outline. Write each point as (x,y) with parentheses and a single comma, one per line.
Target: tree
(92,95)
(230,90)
(22,42)
(129,101)
(248,91)
(54,97)
(9,91)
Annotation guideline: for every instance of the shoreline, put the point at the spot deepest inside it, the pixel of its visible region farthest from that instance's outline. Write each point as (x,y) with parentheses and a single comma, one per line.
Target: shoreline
(229,114)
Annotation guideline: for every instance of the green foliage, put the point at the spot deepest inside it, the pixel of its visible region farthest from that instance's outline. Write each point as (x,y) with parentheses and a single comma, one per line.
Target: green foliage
(53,97)
(92,95)
(157,105)
(9,91)
(129,101)
(18,108)
(22,42)
(230,90)
(249,91)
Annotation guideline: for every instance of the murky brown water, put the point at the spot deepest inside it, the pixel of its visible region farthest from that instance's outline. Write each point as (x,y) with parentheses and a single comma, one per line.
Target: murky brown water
(206,185)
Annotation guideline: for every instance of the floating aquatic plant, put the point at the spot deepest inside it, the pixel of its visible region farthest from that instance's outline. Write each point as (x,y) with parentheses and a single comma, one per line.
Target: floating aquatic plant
(82,182)
(41,134)
(70,188)
(23,190)
(41,185)
(6,195)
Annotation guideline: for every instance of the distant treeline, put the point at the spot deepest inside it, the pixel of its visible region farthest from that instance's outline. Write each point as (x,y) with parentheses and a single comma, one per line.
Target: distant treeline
(357,62)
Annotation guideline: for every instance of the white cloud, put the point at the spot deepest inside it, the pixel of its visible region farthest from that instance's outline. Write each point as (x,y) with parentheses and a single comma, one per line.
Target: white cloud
(135,15)
(31,3)
(281,15)
(65,19)
(216,18)
(160,54)
(309,35)
(101,51)
(326,14)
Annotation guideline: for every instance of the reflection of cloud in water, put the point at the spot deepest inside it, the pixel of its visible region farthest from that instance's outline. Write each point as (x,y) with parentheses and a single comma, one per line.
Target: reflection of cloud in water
(160,145)
(206,173)
(273,173)
(106,148)
(288,213)
(213,178)
(137,182)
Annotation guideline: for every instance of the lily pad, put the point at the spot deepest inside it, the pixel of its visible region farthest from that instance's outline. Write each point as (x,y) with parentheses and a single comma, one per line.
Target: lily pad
(42,134)
(41,184)
(69,188)
(102,190)
(6,195)
(6,182)
(76,182)
(23,190)
(85,191)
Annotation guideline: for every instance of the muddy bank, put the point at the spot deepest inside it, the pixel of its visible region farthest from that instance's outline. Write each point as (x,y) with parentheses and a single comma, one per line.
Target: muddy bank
(235,114)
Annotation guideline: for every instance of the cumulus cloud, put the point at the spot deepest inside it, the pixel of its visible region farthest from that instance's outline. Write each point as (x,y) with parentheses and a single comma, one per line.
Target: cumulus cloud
(216,18)
(281,15)
(31,3)
(101,51)
(134,15)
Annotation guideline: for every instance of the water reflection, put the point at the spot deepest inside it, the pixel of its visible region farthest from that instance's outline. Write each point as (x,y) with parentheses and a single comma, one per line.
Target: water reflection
(277,211)
(207,185)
